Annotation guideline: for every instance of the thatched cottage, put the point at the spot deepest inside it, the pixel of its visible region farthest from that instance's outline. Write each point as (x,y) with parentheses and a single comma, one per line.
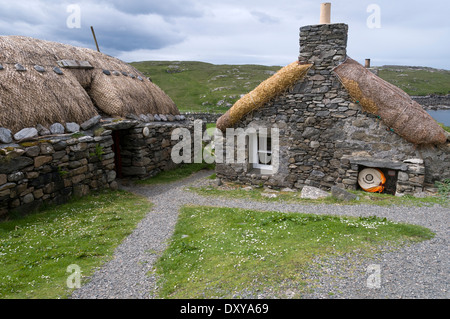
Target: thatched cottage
(73,119)
(338,125)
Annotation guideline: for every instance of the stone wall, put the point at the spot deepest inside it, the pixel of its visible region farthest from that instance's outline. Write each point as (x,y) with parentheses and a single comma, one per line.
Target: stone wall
(52,169)
(326,139)
(146,148)
(205,117)
(433,102)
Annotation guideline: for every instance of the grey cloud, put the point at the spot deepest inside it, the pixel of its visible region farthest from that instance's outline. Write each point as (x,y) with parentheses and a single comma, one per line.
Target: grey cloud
(264,17)
(116,30)
(167,8)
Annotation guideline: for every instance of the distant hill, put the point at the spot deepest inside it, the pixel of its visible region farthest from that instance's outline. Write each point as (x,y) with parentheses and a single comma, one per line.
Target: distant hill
(417,81)
(205,87)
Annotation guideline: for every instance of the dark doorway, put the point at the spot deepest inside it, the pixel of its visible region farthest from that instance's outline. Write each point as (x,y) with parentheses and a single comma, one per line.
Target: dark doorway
(116,135)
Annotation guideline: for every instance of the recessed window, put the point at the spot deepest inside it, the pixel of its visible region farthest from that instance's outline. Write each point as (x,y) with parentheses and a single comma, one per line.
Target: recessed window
(261,151)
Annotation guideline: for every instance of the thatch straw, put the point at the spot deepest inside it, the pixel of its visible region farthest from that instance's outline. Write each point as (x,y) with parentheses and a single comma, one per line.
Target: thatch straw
(29,98)
(263,93)
(394,106)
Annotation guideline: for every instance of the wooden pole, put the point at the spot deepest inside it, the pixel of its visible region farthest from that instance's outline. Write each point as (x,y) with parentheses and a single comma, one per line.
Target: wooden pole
(325,13)
(95,39)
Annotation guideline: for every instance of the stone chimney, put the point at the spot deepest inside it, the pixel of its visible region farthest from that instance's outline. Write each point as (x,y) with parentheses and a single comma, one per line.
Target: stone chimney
(325,44)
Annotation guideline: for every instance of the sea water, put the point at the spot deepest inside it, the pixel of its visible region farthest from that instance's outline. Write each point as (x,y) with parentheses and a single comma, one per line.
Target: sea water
(442,116)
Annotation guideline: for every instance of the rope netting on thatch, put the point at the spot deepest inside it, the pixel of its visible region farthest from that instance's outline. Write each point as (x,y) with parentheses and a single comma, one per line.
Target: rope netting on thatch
(394,106)
(28,98)
(263,93)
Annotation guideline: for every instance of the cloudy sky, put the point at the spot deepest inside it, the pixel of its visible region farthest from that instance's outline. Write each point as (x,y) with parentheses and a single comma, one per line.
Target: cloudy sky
(265,32)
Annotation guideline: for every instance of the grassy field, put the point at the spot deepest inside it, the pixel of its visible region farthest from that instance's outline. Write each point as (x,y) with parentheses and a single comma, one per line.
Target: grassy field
(221,252)
(36,251)
(417,81)
(204,87)
(198,86)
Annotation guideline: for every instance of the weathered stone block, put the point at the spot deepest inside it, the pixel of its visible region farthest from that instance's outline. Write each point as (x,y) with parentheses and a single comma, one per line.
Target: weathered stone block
(3,179)
(91,122)
(46,149)
(5,136)
(25,134)
(313,193)
(77,179)
(41,160)
(342,194)
(403,176)
(57,128)
(9,166)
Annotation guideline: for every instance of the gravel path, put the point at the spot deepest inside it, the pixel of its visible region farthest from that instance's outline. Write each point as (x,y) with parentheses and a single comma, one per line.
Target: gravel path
(416,271)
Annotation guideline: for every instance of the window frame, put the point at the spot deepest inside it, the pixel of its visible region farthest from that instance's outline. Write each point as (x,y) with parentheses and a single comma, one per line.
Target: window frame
(255,150)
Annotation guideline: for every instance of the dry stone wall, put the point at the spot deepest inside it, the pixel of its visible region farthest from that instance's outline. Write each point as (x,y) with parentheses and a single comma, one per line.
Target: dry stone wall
(146,148)
(51,170)
(50,165)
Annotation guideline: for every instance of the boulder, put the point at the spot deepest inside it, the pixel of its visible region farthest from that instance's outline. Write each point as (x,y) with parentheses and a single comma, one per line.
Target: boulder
(342,194)
(313,193)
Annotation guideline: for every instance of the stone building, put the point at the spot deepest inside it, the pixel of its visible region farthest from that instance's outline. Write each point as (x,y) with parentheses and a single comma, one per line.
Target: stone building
(73,120)
(335,120)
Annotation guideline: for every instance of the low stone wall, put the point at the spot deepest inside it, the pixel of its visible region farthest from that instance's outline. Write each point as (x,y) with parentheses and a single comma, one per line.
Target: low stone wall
(205,117)
(146,148)
(433,102)
(52,169)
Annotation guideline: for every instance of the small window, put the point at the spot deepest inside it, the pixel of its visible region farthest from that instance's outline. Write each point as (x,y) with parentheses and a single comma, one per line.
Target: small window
(261,151)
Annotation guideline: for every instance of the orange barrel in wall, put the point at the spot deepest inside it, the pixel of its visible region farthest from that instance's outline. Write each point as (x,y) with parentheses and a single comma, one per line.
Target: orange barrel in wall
(372,180)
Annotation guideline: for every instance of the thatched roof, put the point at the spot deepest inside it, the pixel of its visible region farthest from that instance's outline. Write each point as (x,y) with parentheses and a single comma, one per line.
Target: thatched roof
(263,93)
(100,84)
(394,106)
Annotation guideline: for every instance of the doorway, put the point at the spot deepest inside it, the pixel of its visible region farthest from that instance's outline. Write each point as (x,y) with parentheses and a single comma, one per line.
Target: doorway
(117,137)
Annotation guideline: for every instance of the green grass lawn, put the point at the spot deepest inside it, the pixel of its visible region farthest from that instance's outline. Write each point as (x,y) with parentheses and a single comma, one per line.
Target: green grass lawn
(36,250)
(217,252)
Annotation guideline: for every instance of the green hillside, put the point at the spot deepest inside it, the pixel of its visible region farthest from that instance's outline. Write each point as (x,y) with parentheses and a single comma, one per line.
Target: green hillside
(205,87)
(417,80)
(199,86)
